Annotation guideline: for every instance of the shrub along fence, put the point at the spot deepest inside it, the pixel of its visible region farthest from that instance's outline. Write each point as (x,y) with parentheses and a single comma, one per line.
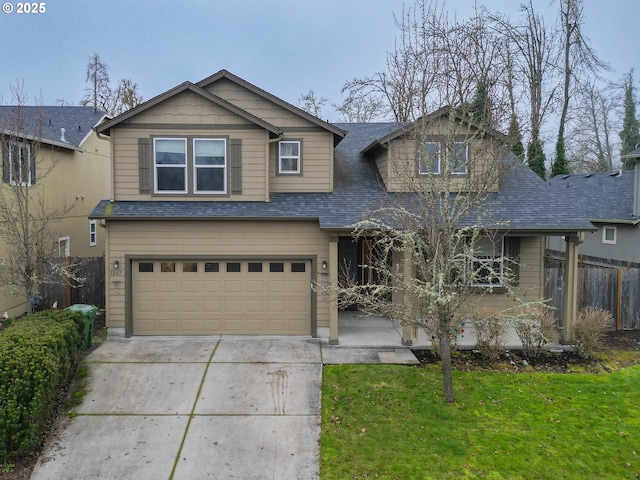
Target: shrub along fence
(37,355)
(67,292)
(611,285)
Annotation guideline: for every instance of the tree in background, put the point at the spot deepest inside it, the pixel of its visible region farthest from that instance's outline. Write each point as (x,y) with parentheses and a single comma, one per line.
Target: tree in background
(27,224)
(536,159)
(361,109)
(102,96)
(514,137)
(630,134)
(311,104)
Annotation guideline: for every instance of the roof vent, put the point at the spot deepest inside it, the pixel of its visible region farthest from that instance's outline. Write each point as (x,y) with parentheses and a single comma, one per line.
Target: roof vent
(566,176)
(588,175)
(62,139)
(616,174)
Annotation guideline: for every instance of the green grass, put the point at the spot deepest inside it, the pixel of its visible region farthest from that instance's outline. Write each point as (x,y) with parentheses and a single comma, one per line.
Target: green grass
(386,421)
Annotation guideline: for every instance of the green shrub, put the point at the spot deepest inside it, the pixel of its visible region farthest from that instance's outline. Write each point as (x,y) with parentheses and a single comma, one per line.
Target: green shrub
(37,354)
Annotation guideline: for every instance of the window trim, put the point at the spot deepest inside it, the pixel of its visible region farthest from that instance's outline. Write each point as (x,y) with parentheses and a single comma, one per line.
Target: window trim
(13,146)
(500,258)
(443,146)
(185,168)
(224,167)
(604,234)
(297,171)
(93,233)
(66,241)
(421,162)
(466,156)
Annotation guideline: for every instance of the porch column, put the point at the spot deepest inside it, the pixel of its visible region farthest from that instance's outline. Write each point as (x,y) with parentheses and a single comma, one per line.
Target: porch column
(569,306)
(407,329)
(333,295)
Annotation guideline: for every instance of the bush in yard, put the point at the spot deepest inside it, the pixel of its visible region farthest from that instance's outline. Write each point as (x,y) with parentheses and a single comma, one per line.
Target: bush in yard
(490,330)
(37,355)
(535,329)
(588,330)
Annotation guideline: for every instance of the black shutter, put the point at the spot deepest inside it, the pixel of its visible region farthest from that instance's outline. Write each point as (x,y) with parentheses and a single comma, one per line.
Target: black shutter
(236,166)
(5,164)
(32,165)
(144,165)
(512,257)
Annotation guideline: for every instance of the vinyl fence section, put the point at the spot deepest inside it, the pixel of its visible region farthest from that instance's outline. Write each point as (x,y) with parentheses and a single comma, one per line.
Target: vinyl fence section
(606,284)
(91,290)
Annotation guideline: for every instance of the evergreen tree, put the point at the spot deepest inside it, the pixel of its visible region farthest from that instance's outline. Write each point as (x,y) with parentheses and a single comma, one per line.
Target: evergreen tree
(515,138)
(560,165)
(536,158)
(480,108)
(630,134)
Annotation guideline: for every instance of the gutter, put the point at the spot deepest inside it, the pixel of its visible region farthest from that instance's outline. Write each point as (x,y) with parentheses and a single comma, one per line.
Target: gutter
(618,221)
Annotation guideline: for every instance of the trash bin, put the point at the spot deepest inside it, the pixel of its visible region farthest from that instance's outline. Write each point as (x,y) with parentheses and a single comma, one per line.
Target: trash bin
(88,314)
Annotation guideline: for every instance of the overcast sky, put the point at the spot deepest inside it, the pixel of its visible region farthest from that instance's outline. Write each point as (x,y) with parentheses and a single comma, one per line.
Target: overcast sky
(286,47)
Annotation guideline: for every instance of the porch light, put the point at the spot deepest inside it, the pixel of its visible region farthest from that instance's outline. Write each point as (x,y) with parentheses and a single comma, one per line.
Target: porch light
(324,264)
(116,264)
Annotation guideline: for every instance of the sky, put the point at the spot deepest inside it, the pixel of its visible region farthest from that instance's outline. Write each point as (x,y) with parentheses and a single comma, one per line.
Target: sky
(287,47)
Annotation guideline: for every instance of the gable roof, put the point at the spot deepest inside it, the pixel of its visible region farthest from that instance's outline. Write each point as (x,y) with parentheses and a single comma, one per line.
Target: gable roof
(184,87)
(632,154)
(407,127)
(337,132)
(44,123)
(522,204)
(599,197)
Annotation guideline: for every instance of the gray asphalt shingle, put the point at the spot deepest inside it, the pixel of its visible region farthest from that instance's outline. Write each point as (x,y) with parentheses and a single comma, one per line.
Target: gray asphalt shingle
(524,202)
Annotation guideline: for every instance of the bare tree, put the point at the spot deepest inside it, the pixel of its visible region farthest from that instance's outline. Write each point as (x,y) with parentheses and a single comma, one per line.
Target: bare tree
(361,109)
(311,104)
(27,224)
(101,95)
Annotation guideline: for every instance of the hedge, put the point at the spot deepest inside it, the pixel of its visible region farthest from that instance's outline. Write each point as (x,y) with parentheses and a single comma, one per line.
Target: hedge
(37,354)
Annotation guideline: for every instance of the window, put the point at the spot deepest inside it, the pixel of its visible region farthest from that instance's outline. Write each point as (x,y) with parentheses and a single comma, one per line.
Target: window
(170,164)
(488,263)
(429,158)
(190,267)
(93,234)
(255,267)
(212,267)
(609,235)
(289,158)
(233,267)
(64,247)
(20,168)
(210,165)
(297,267)
(145,267)
(276,267)
(168,267)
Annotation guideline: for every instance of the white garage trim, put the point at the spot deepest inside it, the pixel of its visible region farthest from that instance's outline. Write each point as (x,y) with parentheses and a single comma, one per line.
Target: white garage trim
(132,260)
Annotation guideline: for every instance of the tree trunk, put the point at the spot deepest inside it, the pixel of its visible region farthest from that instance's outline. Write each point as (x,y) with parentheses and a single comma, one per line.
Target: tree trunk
(445,354)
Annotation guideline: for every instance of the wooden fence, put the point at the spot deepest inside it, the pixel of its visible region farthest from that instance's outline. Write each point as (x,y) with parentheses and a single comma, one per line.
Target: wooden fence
(610,285)
(90,291)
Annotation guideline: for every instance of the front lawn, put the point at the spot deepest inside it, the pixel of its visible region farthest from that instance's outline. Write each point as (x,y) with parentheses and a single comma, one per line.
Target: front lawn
(388,421)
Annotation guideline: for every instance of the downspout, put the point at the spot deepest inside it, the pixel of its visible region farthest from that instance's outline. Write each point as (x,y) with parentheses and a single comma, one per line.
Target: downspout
(267,187)
(636,189)
(111,170)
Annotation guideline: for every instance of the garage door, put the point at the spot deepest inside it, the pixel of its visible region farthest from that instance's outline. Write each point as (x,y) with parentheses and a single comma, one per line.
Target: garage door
(205,297)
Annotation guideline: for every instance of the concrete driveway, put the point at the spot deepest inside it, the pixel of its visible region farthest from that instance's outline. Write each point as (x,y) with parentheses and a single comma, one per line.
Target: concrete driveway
(193,408)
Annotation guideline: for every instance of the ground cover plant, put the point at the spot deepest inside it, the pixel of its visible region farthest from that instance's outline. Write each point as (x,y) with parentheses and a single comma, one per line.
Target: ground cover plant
(386,421)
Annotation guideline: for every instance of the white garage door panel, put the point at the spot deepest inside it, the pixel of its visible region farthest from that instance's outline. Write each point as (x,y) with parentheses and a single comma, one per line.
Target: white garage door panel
(184,298)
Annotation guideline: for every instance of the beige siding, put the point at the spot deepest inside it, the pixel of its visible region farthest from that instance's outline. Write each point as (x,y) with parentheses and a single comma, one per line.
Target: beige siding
(209,238)
(403,166)
(254,144)
(382,162)
(257,105)
(317,165)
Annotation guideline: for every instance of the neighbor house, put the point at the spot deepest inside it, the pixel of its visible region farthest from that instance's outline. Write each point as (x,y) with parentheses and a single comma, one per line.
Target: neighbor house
(229,203)
(54,152)
(611,201)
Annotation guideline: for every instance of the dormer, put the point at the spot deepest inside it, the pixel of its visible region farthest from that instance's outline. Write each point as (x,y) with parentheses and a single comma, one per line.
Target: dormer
(439,148)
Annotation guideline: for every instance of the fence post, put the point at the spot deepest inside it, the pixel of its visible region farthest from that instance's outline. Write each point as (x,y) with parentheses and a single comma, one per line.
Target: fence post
(619,301)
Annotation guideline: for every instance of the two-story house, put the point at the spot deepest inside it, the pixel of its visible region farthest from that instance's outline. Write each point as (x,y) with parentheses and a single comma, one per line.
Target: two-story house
(54,152)
(229,203)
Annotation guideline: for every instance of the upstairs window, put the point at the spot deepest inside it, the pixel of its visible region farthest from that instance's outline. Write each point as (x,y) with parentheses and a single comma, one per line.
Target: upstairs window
(170,165)
(18,166)
(93,233)
(210,165)
(289,157)
(432,161)
(609,235)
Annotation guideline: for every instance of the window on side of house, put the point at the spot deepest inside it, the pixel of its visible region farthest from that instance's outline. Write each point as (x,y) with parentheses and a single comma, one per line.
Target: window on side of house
(210,165)
(93,233)
(64,247)
(289,157)
(459,158)
(20,164)
(488,263)
(609,235)
(429,158)
(170,165)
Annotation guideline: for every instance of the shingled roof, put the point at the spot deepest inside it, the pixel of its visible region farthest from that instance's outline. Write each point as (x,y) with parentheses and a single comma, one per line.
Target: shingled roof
(523,203)
(45,123)
(599,197)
